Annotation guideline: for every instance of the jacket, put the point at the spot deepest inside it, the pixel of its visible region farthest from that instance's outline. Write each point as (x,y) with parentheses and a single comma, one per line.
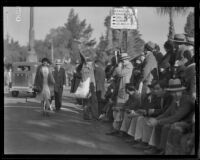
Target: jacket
(124,73)
(177,113)
(150,64)
(60,78)
(99,75)
(38,82)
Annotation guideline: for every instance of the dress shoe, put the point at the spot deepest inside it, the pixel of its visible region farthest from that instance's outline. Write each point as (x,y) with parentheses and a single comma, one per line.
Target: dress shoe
(140,145)
(114,132)
(153,151)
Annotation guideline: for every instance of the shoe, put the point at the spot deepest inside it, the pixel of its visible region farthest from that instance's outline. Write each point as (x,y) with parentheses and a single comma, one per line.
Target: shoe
(114,132)
(152,151)
(131,140)
(140,145)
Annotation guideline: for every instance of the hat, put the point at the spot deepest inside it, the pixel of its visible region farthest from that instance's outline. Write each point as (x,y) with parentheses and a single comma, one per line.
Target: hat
(150,46)
(190,40)
(175,85)
(179,38)
(45,60)
(77,41)
(124,56)
(88,59)
(58,61)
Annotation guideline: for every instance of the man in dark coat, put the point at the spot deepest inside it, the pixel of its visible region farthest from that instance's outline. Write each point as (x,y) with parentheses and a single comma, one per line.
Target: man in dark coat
(99,75)
(179,110)
(60,82)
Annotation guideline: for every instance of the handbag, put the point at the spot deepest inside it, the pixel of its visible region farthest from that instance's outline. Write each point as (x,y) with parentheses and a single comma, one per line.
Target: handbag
(83,89)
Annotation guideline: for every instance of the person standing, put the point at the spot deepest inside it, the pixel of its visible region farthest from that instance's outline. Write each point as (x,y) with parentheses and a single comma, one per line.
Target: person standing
(99,75)
(44,82)
(60,82)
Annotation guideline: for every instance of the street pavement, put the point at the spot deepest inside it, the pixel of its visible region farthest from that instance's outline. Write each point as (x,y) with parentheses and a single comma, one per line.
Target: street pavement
(26,131)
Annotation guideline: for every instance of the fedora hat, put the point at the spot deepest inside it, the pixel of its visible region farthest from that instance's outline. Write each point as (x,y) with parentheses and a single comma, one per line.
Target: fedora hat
(124,56)
(175,85)
(190,40)
(58,61)
(179,38)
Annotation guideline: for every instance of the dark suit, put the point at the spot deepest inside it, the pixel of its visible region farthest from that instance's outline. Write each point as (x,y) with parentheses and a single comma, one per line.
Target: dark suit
(60,80)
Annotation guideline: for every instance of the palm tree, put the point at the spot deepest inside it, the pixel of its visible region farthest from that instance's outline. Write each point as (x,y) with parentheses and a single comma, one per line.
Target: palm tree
(171,11)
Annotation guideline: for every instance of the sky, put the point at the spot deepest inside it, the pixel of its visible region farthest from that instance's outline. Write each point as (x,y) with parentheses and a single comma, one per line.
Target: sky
(152,27)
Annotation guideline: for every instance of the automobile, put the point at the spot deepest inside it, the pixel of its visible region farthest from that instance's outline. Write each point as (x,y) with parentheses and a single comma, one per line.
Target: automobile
(23,76)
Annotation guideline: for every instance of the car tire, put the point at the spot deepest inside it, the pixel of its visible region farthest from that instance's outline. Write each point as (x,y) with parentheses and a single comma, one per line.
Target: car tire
(15,93)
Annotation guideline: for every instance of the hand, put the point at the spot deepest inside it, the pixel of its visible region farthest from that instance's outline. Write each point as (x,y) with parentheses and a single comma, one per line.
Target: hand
(151,111)
(152,122)
(64,86)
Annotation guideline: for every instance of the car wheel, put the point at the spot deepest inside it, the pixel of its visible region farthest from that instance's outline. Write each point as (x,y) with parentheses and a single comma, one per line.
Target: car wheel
(15,93)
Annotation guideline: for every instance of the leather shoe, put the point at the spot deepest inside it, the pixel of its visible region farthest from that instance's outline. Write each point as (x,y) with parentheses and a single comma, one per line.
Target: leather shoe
(140,145)
(112,132)
(153,151)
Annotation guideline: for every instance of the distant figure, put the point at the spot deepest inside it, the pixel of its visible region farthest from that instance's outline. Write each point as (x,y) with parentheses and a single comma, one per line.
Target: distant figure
(60,82)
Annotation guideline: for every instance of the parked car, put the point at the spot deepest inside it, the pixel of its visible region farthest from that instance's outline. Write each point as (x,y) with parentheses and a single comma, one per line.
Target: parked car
(23,76)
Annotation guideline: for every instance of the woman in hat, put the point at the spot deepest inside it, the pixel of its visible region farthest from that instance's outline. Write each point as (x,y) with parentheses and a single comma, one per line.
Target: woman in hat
(44,82)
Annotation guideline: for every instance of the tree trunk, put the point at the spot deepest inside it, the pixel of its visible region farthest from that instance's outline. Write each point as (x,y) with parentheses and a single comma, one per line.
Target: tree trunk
(171,25)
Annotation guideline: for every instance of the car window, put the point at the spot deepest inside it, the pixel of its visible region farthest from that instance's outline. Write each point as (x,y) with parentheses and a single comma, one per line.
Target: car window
(23,68)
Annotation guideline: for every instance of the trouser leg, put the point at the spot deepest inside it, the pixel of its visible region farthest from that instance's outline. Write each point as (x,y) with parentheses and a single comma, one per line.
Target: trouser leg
(131,130)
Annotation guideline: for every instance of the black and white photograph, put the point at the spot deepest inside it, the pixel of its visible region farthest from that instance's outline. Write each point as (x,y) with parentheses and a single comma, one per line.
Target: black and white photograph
(107,80)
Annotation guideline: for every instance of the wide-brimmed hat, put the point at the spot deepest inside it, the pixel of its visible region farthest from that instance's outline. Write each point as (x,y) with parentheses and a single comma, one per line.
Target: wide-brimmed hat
(175,85)
(58,61)
(179,38)
(190,40)
(124,56)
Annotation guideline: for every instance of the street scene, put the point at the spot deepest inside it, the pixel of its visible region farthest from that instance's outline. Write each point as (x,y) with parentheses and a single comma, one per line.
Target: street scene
(122,82)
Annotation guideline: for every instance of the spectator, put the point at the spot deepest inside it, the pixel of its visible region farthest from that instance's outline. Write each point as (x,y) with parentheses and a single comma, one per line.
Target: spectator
(179,110)
(132,105)
(123,71)
(158,55)
(99,75)
(60,82)
(160,101)
(150,66)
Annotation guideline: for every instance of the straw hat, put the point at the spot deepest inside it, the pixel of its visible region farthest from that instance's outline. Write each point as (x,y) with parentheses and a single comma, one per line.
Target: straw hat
(124,56)
(58,61)
(175,85)
(179,38)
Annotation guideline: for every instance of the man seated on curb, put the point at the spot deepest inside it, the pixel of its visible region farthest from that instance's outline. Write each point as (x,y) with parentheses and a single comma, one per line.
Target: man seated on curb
(132,105)
(136,115)
(178,110)
(160,102)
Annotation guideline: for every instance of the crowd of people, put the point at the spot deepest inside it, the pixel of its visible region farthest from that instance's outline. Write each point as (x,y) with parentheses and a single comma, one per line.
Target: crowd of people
(150,99)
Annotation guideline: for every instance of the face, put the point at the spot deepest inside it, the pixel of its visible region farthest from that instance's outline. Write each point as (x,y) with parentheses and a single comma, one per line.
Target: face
(157,90)
(58,66)
(45,63)
(177,95)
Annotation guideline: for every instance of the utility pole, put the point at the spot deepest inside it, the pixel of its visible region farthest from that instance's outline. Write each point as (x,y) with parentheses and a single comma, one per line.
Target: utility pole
(52,57)
(32,57)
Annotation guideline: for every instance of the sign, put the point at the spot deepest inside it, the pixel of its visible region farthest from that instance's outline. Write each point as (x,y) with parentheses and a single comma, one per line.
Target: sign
(124,18)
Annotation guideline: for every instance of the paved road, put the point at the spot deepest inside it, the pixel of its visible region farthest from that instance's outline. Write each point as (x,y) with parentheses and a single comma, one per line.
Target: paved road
(26,131)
